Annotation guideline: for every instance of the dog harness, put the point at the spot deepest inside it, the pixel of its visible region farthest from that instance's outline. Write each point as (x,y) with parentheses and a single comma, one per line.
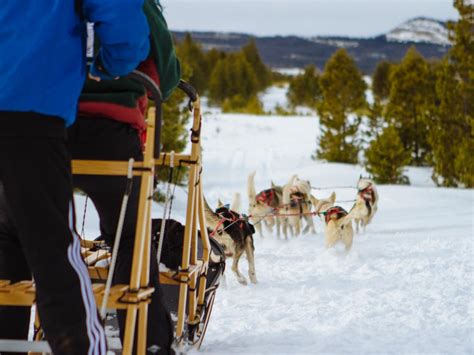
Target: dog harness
(230,219)
(335,212)
(368,195)
(297,200)
(267,197)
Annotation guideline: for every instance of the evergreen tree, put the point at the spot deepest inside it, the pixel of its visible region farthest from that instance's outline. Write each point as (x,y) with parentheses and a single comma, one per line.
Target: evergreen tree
(380,91)
(343,94)
(174,134)
(381,81)
(452,130)
(233,76)
(305,89)
(191,54)
(410,100)
(386,158)
(262,72)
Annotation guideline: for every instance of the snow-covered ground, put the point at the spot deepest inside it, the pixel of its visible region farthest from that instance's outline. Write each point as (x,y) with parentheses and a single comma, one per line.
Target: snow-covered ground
(406,287)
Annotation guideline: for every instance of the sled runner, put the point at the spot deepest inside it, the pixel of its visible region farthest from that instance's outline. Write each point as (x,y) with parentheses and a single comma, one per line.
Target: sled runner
(193,307)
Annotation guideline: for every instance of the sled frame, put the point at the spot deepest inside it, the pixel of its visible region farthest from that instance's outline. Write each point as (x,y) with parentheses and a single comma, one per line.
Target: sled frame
(135,297)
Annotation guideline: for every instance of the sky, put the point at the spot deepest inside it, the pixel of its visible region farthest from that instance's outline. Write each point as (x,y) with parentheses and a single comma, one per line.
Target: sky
(355,18)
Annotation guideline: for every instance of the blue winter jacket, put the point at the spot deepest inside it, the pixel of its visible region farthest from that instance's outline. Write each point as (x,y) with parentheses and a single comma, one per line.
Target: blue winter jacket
(43,50)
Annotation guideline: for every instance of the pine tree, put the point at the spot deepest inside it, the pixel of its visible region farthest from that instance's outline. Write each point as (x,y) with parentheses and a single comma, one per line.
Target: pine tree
(410,100)
(380,91)
(262,72)
(191,54)
(452,130)
(386,158)
(343,92)
(381,81)
(305,89)
(233,78)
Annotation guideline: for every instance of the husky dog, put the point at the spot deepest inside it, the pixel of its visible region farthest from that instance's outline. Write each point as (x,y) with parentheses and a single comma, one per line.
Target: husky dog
(297,205)
(338,227)
(235,234)
(365,206)
(264,205)
(322,205)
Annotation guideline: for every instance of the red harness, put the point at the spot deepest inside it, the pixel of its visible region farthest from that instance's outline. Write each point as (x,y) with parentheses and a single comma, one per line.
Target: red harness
(368,194)
(336,211)
(266,197)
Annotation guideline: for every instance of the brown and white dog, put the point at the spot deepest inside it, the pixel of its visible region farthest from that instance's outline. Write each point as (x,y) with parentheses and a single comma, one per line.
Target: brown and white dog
(365,206)
(263,207)
(338,227)
(296,205)
(235,234)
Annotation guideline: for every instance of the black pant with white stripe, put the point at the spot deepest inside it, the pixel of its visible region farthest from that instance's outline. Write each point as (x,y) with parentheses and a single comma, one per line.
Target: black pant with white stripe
(36,238)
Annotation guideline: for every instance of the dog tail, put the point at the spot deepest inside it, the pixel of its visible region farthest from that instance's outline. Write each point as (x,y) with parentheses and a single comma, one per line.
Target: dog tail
(251,192)
(212,220)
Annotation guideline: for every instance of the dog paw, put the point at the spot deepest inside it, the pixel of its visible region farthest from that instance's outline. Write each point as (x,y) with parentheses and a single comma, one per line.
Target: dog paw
(253,279)
(242,280)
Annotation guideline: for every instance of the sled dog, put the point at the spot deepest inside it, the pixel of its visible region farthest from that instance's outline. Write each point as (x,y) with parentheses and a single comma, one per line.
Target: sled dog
(365,206)
(235,234)
(296,205)
(263,207)
(338,227)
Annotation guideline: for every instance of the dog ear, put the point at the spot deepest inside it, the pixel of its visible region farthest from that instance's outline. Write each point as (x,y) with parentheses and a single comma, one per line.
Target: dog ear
(314,201)
(332,198)
(219,203)
(235,206)
(273,184)
(292,180)
(212,220)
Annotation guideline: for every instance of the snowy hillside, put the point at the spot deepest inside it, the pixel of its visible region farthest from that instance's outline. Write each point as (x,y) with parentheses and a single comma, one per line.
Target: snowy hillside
(406,287)
(420,30)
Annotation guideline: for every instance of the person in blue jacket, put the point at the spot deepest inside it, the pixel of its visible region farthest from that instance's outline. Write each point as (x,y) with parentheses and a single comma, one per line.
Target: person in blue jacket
(42,72)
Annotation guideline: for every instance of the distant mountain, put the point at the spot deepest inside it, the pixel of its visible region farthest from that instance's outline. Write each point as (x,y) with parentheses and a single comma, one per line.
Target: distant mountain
(429,37)
(419,30)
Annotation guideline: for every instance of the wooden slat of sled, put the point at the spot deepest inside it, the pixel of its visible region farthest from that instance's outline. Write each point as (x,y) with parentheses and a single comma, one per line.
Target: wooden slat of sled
(166,277)
(98,273)
(4,282)
(24,293)
(17,294)
(176,278)
(120,168)
(96,256)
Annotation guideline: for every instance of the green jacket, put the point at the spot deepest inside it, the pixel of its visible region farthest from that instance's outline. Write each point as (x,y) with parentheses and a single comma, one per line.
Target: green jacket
(125,100)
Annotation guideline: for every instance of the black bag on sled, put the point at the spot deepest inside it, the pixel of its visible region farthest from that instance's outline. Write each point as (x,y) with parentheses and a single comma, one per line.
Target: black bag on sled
(171,255)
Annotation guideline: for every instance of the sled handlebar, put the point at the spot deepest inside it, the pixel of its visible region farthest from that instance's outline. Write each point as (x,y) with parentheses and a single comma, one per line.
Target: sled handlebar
(188,90)
(157,97)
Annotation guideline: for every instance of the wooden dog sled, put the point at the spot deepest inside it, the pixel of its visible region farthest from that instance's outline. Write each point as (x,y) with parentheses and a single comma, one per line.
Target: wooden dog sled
(193,308)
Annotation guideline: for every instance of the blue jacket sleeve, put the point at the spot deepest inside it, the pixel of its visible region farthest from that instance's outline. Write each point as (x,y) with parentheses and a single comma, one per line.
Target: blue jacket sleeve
(123,31)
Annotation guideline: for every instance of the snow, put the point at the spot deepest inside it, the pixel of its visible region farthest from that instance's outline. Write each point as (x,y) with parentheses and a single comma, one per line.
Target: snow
(406,287)
(420,30)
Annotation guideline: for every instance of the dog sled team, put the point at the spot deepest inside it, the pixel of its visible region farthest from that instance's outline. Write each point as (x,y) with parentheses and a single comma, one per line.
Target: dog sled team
(286,207)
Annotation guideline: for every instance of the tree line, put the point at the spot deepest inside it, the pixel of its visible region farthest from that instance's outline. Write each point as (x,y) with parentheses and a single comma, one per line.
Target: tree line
(421,113)
(229,80)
